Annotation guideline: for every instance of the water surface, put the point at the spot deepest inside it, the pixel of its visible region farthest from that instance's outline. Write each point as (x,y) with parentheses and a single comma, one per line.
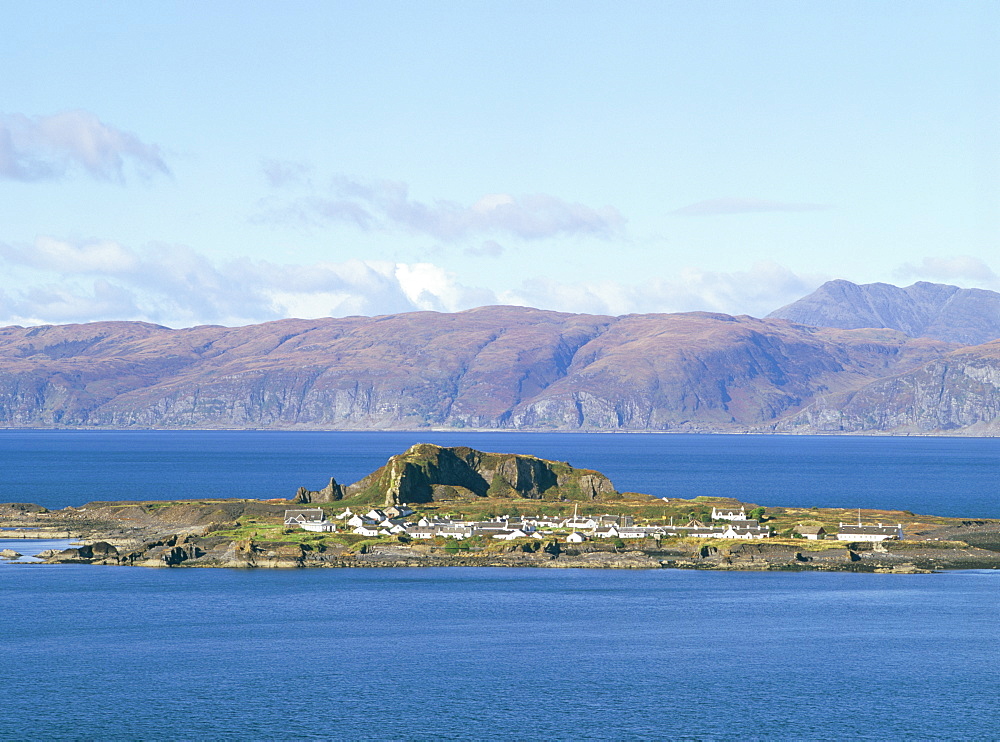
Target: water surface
(452,653)
(944,476)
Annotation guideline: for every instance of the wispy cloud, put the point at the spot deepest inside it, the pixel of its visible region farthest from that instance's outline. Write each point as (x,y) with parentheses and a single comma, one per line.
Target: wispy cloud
(57,281)
(48,147)
(956,268)
(758,291)
(487,249)
(723,206)
(282,173)
(174,285)
(387,206)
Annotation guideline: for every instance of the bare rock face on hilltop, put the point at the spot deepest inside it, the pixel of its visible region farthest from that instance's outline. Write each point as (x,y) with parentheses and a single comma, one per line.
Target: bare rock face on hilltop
(932,310)
(426,472)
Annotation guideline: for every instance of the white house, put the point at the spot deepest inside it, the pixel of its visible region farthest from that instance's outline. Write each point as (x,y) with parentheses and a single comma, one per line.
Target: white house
(575,538)
(368,530)
(311,519)
(851,532)
(298,517)
(509,535)
(324,527)
(745,532)
(739,513)
(456,532)
(813,533)
(546,521)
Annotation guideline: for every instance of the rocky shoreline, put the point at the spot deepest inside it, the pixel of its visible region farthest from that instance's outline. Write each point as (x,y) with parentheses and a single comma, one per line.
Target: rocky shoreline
(197,547)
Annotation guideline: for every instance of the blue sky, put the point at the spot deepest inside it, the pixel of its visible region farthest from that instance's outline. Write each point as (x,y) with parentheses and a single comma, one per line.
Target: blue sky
(230,162)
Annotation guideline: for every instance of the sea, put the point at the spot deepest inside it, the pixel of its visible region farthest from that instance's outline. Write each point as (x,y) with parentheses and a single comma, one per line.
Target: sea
(95,653)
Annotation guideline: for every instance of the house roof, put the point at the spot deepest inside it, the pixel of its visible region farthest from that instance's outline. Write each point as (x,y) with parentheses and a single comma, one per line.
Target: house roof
(878,530)
(310,515)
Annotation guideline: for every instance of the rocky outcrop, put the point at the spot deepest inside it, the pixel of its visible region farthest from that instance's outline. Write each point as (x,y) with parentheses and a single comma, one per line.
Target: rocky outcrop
(426,472)
(331,493)
(932,310)
(100,552)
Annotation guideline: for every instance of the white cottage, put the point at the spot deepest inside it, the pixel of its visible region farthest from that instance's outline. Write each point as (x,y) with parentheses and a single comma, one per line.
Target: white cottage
(739,513)
(860,532)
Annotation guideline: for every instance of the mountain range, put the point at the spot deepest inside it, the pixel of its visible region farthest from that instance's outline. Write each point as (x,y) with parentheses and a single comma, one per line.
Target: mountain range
(847,358)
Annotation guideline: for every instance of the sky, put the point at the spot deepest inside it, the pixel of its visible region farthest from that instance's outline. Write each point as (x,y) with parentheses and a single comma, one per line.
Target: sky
(231,163)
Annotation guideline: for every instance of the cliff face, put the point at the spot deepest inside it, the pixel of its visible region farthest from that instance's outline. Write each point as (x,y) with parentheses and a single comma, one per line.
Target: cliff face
(933,310)
(959,391)
(493,367)
(426,472)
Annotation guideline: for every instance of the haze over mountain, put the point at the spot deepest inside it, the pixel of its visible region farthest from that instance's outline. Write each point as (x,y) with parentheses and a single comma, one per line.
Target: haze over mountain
(933,310)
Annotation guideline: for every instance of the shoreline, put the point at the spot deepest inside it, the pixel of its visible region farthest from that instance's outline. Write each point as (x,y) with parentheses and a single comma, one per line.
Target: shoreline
(193,552)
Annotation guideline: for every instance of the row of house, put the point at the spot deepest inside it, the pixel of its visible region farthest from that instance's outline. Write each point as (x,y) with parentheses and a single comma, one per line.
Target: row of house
(380,523)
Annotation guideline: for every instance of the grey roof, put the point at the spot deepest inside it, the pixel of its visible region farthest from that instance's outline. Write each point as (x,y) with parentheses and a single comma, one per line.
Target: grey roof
(310,515)
(879,530)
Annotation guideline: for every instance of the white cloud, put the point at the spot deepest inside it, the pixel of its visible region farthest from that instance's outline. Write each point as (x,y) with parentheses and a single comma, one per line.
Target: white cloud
(48,147)
(957,268)
(176,286)
(57,281)
(758,291)
(723,206)
(387,206)
(65,257)
(280,173)
(54,304)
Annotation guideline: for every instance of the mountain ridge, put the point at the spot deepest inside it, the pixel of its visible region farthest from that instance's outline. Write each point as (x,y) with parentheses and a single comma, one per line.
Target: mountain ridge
(934,310)
(504,368)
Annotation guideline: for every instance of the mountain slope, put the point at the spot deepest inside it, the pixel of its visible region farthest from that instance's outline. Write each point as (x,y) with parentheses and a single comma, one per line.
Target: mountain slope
(959,391)
(492,367)
(933,310)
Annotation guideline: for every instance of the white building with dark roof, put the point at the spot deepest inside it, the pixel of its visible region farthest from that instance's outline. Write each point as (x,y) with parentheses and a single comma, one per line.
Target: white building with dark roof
(858,532)
(739,513)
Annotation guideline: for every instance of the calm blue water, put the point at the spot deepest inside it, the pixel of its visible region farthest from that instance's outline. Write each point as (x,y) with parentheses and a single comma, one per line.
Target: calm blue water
(944,476)
(94,653)
(136,654)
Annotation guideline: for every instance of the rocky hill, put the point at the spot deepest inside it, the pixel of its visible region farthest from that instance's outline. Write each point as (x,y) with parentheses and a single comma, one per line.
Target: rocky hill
(493,367)
(425,473)
(932,310)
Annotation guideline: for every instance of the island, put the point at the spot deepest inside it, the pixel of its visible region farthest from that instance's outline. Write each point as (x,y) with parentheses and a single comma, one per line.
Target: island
(441,506)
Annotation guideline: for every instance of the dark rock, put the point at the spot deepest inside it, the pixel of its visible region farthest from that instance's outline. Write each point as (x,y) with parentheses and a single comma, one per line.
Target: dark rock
(331,493)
